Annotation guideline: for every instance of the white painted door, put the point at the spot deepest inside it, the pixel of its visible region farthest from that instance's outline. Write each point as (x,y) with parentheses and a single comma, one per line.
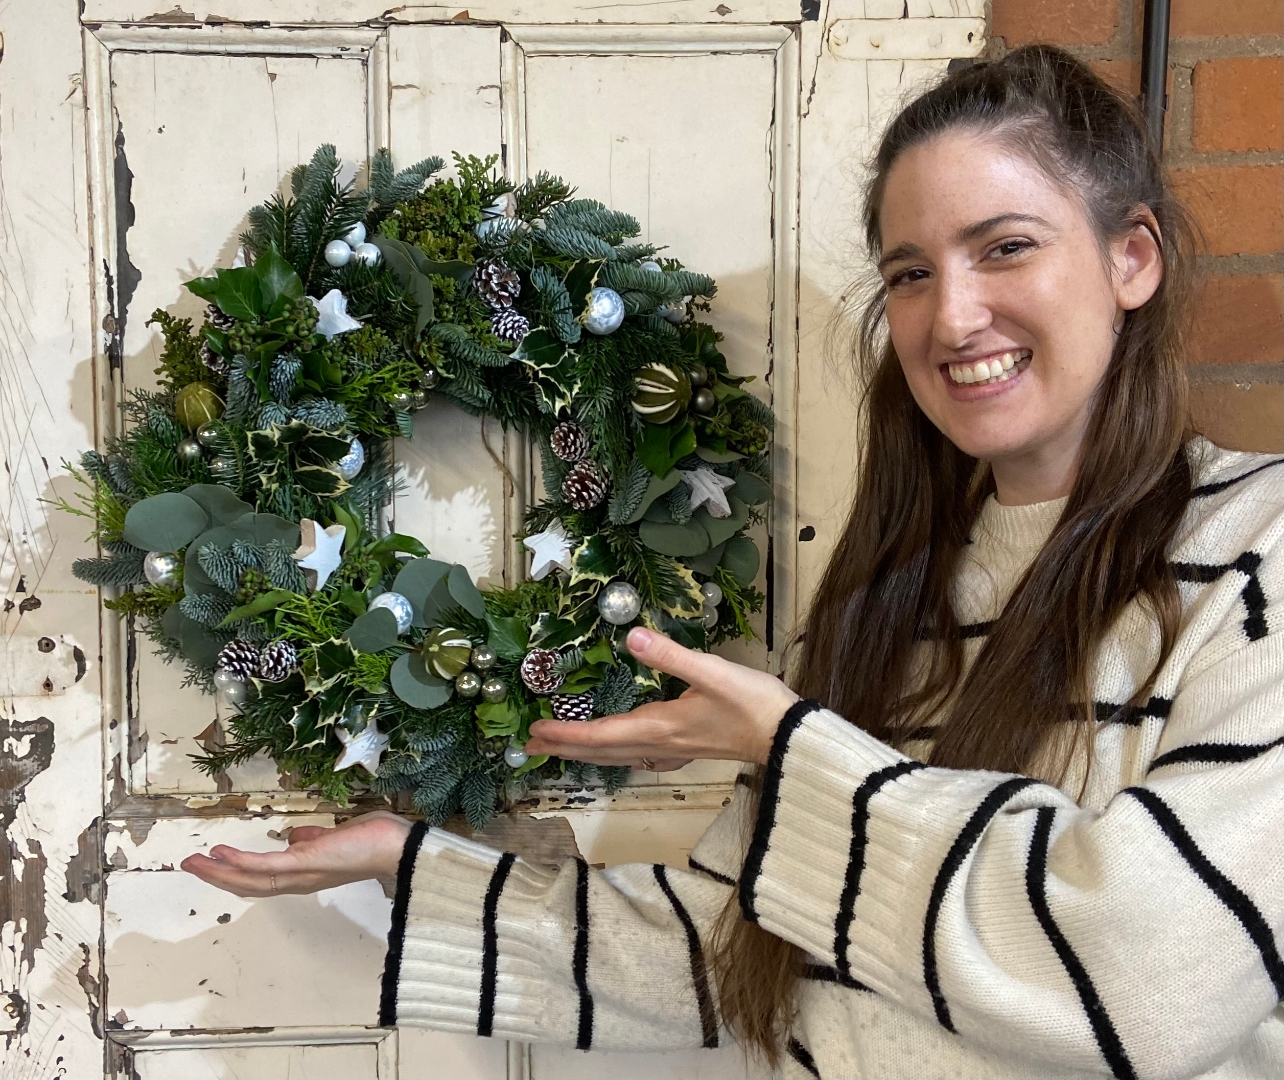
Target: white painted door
(131,145)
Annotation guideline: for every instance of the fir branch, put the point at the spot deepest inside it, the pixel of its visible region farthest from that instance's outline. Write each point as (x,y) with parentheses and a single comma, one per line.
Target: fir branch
(627,496)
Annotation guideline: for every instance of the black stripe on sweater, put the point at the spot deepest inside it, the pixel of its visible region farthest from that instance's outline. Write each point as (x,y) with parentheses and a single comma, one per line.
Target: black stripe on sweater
(397,931)
(1213,753)
(490,945)
(1222,485)
(1107,712)
(699,974)
(963,844)
(709,871)
(1036,873)
(769,802)
(868,788)
(803,1056)
(1230,894)
(827,974)
(976,629)
(1252,595)
(579,962)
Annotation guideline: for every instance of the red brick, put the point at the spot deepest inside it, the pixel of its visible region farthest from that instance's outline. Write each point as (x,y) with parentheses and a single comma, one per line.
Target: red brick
(1239,319)
(1123,75)
(1060,22)
(1226,18)
(1239,207)
(1240,418)
(1239,104)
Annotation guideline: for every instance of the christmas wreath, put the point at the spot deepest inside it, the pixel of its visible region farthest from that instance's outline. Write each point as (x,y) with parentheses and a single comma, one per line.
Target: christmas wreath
(238,514)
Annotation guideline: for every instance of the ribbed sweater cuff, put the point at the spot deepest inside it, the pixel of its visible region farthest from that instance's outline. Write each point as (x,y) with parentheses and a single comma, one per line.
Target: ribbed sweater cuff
(845,818)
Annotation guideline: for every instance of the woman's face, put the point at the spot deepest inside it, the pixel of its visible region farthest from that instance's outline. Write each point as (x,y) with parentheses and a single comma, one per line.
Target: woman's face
(1001,304)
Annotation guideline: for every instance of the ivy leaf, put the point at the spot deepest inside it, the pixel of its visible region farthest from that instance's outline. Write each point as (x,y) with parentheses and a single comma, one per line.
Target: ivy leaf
(238,294)
(277,278)
(508,636)
(204,287)
(601,653)
(716,457)
(397,542)
(531,764)
(661,446)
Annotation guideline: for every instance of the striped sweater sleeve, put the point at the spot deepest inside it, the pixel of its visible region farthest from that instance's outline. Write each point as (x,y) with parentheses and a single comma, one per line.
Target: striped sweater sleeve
(487,943)
(1142,939)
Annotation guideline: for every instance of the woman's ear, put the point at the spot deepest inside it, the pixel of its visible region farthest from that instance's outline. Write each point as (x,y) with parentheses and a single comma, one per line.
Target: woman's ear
(1138,261)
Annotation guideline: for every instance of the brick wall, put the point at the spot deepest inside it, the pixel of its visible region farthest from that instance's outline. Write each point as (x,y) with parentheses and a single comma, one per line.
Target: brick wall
(1222,142)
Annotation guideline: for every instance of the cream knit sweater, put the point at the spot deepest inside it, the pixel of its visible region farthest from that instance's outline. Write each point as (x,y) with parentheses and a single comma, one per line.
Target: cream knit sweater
(958,923)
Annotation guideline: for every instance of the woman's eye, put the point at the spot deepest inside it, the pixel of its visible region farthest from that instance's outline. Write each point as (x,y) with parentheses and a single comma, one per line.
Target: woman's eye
(907,277)
(1008,248)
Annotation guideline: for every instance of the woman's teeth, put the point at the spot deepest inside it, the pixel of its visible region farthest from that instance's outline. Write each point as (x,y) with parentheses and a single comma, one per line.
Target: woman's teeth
(994,370)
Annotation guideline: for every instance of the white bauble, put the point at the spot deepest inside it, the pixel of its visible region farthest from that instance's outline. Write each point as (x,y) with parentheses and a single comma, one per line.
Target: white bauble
(605,311)
(236,693)
(619,603)
(709,616)
(367,253)
(337,253)
(223,679)
(515,756)
(356,236)
(161,568)
(674,311)
(352,462)
(398,605)
(712,593)
(651,265)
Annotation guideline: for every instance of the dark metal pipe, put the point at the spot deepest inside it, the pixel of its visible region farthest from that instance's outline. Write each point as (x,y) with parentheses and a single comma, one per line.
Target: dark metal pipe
(1154,70)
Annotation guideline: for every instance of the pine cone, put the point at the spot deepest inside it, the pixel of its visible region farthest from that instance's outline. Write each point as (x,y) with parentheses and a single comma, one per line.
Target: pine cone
(212,360)
(507,325)
(218,319)
(497,284)
(585,485)
(240,658)
(277,660)
(569,441)
(538,671)
(572,706)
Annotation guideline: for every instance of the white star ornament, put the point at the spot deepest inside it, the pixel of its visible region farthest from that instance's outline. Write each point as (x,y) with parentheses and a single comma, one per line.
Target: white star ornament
(709,489)
(320,552)
(364,748)
(332,314)
(549,548)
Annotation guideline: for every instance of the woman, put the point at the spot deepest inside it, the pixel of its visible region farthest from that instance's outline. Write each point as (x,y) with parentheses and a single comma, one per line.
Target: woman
(1034,828)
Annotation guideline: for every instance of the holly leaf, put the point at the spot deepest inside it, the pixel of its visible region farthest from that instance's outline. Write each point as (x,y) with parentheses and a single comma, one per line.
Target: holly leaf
(594,561)
(333,658)
(579,281)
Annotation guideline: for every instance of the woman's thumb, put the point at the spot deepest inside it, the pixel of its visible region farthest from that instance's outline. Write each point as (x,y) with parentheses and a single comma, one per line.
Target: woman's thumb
(659,652)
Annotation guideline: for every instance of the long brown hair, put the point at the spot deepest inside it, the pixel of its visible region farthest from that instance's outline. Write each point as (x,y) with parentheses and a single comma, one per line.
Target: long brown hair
(1026,701)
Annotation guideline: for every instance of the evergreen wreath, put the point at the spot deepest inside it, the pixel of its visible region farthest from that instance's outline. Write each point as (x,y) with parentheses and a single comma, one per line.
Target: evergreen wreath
(238,514)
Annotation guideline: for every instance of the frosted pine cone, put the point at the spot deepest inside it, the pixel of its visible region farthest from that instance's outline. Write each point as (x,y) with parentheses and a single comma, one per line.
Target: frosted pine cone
(569,441)
(240,658)
(538,671)
(507,325)
(217,319)
(585,485)
(212,360)
(497,284)
(277,660)
(572,706)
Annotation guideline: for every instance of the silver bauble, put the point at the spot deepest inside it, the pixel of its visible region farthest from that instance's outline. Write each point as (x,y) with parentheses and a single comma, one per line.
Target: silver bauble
(605,311)
(619,603)
(709,616)
(207,433)
(712,593)
(224,678)
(494,690)
(398,605)
(402,401)
(699,376)
(703,400)
(161,568)
(236,693)
(468,684)
(651,265)
(356,236)
(223,467)
(675,311)
(352,462)
(418,399)
(483,657)
(367,254)
(515,756)
(188,450)
(337,253)
(430,379)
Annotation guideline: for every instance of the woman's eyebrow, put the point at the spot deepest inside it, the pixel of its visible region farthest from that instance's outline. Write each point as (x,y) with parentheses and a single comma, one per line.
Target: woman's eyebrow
(898,254)
(979,228)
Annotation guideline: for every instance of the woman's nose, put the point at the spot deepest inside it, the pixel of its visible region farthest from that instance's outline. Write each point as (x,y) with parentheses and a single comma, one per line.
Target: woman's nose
(962,309)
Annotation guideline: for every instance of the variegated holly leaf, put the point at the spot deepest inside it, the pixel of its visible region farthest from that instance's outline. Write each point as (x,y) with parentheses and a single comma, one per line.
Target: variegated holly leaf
(594,561)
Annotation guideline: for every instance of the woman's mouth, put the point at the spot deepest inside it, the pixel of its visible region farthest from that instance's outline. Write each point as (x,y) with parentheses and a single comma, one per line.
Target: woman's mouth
(990,371)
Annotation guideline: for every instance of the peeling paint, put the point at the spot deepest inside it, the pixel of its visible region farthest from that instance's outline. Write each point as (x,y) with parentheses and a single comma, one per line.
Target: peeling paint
(84,869)
(22,896)
(127,274)
(35,738)
(93,992)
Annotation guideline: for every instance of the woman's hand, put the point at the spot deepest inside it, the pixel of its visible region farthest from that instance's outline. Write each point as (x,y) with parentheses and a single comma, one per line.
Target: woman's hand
(730,712)
(318,858)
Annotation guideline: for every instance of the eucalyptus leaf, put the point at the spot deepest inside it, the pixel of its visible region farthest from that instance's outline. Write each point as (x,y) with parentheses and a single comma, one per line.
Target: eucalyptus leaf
(752,489)
(373,632)
(220,503)
(165,522)
(465,592)
(677,540)
(416,581)
(708,562)
(659,485)
(716,457)
(197,644)
(720,529)
(410,682)
(741,560)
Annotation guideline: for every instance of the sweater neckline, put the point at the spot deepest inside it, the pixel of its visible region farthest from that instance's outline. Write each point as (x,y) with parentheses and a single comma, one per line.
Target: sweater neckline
(1020,528)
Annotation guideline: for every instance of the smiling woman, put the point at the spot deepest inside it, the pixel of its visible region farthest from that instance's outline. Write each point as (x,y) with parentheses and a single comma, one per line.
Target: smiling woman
(1017,812)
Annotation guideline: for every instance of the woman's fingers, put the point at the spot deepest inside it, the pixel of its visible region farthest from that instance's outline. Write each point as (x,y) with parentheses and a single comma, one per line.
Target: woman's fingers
(664,654)
(306,832)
